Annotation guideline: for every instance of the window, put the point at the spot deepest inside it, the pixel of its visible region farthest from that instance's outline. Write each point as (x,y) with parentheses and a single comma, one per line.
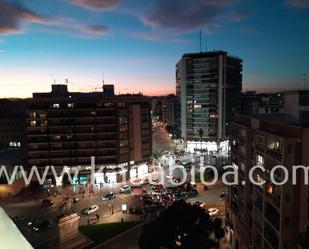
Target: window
(70,105)
(56,106)
(32,115)
(259,160)
(33,123)
(260,140)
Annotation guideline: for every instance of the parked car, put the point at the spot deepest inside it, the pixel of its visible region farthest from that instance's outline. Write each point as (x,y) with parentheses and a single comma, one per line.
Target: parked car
(213,211)
(222,196)
(75,199)
(155,181)
(178,161)
(179,196)
(109,196)
(125,189)
(157,187)
(43,226)
(91,209)
(146,181)
(47,203)
(200,204)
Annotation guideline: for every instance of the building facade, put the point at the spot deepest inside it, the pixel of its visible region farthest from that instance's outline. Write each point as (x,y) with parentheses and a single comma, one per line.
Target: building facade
(209,86)
(166,109)
(68,128)
(268,216)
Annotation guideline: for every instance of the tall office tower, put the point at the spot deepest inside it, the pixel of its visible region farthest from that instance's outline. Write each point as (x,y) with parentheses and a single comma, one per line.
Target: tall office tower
(68,128)
(209,87)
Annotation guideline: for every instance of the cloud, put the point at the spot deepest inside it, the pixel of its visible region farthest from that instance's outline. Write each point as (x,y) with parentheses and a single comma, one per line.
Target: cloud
(97,5)
(240,15)
(159,36)
(13,14)
(95,30)
(298,3)
(70,26)
(185,15)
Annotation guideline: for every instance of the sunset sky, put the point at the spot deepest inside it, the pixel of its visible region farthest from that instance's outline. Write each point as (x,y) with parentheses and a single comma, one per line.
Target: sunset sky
(136,43)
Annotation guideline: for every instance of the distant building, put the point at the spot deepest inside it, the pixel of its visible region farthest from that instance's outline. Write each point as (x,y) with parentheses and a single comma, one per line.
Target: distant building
(253,103)
(68,128)
(166,110)
(209,87)
(12,143)
(268,216)
(12,123)
(296,103)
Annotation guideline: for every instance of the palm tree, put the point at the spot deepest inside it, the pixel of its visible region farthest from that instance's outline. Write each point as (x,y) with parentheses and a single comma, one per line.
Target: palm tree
(201,133)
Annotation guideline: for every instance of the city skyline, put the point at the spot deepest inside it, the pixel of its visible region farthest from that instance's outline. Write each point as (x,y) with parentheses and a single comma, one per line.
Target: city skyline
(136,44)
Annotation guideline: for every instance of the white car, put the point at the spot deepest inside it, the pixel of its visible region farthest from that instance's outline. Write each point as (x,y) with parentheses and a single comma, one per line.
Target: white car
(91,209)
(213,211)
(125,189)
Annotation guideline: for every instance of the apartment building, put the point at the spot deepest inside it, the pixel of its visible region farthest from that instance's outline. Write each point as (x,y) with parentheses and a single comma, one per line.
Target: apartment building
(209,86)
(268,216)
(68,128)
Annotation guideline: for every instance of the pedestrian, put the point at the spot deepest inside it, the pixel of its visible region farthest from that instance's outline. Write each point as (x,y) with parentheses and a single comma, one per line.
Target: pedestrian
(121,220)
(98,217)
(88,221)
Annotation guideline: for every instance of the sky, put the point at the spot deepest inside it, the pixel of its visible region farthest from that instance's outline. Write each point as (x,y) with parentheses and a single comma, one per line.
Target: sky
(135,44)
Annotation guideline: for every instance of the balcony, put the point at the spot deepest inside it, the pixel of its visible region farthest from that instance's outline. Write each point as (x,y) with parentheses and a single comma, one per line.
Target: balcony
(275,154)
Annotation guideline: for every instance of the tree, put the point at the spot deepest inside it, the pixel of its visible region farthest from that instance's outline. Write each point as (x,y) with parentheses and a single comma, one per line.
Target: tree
(201,134)
(182,226)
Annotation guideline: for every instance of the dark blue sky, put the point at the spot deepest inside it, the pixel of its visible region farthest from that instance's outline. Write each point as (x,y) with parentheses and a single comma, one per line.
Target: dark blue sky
(136,43)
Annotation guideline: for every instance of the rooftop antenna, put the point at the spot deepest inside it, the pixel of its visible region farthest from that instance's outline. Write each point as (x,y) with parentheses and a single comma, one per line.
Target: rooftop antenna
(305,79)
(205,42)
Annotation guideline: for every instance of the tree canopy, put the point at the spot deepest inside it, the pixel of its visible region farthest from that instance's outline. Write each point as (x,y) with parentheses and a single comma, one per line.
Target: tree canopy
(182,226)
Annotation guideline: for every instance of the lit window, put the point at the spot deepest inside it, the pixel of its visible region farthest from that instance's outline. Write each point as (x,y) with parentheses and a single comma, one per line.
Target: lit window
(11,144)
(18,144)
(32,115)
(269,188)
(33,123)
(260,160)
(93,113)
(56,105)
(70,105)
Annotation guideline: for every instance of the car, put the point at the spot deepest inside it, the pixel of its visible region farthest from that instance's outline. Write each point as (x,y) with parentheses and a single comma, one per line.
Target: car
(157,187)
(125,189)
(75,199)
(178,162)
(192,192)
(222,196)
(43,226)
(212,211)
(199,203)
(146,181)
(47,203)
(147,202)
(179,196)
(155,181)
(108,196)
(92,209)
